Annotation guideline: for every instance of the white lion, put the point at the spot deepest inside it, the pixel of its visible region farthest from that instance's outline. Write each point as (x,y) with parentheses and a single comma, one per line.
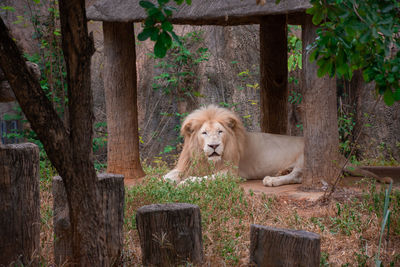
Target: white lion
(217,135)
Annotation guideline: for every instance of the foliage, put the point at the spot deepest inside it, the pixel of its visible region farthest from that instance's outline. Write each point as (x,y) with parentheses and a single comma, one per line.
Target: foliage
(357,35)
(346,125)
(157,27)
(177,76)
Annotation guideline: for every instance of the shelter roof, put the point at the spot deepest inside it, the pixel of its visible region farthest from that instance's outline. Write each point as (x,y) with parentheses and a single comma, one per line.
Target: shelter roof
(200,12)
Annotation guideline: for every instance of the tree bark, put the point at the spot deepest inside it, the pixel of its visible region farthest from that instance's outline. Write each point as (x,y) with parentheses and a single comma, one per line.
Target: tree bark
(321,152)
(283,247)
(111,188)
(120,83)
(19,205)
(70,150)
(274,72)
(170,234)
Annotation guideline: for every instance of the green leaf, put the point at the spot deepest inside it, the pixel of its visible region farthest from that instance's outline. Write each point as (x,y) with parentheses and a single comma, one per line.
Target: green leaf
(189,2)
(162,2)
(159,48)
(145,34)
(388,97)
(8,8)
(36,1)
(146,4)
(167,26)
(317,18)
(176,38)
(396,94)
(166,39)
(179,2)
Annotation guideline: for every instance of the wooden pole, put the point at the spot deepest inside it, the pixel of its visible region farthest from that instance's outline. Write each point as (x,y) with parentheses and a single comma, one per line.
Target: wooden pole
(19,205)
(120,84)
(111,187)
(274,72)
(282,247)
(321,152)
(170,234)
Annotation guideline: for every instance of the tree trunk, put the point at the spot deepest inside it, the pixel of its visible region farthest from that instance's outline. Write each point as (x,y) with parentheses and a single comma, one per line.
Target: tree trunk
(19,205)
(283,247)
(170,234)
(111,188)
(70,150)
(121,100)
(274,72)
(320,119)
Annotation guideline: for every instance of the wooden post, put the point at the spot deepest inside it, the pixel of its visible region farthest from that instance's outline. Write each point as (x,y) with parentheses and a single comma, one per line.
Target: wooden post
(19,205)
(274,72)
(321,152)
(170,234)
(111,187)
(120,84)
(282,247)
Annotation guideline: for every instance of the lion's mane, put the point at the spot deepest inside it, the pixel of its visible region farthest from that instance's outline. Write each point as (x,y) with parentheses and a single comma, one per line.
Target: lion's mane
(234,142)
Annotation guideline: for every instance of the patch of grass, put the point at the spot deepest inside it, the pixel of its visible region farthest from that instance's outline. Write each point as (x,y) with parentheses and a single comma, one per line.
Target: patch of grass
(222,202)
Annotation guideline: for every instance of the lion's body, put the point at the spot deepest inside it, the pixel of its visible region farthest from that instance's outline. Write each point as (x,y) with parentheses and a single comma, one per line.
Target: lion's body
(217,135)
(269,154)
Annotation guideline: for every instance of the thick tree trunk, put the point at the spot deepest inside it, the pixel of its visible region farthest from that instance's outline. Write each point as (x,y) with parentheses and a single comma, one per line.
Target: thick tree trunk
(321,153)
(19,205)
(170,234)
(70,151)
(283,247)
(111,188)
(274,72)
(121,100)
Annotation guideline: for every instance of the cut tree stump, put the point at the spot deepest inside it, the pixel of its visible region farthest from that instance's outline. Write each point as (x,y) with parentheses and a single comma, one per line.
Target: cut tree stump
(283,247)
(170,234)
(111,187)
(19,205)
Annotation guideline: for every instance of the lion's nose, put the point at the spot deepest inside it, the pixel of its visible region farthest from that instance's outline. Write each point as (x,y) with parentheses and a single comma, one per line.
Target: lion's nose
(213,146)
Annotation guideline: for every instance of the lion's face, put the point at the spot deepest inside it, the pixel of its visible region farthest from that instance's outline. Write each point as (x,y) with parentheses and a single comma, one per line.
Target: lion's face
(214,132)
(212,138)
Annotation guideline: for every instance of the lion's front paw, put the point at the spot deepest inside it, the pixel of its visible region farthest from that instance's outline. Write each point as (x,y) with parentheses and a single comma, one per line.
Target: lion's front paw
(268,181)
(172,176)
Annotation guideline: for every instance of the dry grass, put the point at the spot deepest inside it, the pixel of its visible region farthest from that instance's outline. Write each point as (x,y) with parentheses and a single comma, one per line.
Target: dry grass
(349,226)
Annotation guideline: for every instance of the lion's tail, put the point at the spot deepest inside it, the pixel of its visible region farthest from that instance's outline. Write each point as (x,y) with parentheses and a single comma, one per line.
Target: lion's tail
(357,171)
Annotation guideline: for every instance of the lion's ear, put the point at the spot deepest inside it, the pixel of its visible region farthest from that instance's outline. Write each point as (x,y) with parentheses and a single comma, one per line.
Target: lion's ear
(187,128)
(232,122)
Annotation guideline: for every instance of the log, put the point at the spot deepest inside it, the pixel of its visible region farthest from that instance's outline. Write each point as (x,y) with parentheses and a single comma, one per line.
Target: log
(19,205)
(170,234)
(274,73)
(111,187)
(283,247)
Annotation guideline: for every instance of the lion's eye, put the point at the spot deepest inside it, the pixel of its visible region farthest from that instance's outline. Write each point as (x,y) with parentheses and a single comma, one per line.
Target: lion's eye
(204,133)
(220,132)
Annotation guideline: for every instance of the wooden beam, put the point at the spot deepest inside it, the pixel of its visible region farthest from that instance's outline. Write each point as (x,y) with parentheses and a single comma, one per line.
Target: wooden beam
(321,152)
(274,72)
(120,84)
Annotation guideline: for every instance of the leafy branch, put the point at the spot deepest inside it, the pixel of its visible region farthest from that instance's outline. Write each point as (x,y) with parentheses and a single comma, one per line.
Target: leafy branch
(359,35)
(157,26)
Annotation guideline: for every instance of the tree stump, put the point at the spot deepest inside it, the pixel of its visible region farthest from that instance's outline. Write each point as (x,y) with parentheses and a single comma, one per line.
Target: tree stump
(170,234)
(283,247)
(19,205)
(112,193)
